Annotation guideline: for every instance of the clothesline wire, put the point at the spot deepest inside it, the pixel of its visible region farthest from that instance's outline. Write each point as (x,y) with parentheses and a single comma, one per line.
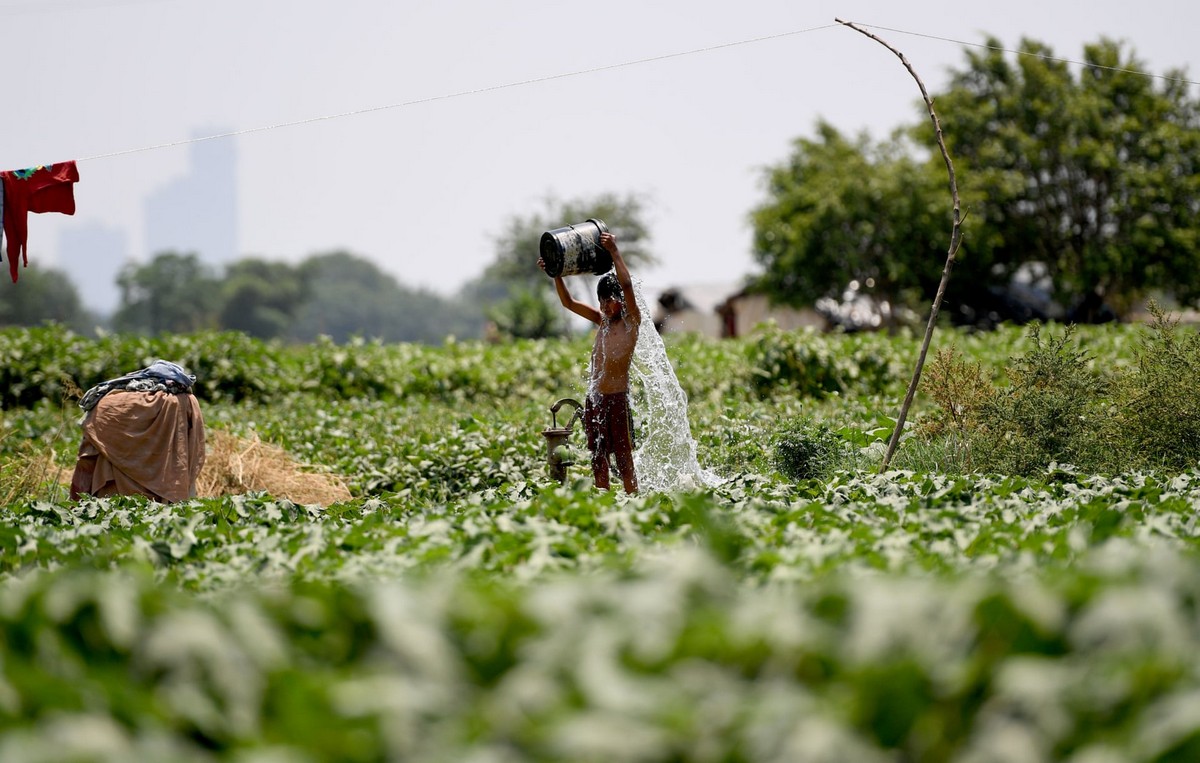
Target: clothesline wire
(1042,56)
(462,93)
(595,70)
(65,6)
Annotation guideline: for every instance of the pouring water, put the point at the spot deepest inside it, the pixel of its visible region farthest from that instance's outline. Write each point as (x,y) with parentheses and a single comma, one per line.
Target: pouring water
(665,458)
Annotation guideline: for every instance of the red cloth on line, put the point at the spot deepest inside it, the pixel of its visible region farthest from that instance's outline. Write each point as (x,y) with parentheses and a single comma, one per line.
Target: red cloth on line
(46,189)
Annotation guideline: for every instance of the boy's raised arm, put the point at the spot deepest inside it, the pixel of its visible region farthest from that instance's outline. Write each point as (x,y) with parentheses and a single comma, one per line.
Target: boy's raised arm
(622,270)
(582,309)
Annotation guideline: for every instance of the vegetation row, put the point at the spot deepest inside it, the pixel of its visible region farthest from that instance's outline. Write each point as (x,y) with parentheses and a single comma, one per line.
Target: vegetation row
(1010,402)
(891,617)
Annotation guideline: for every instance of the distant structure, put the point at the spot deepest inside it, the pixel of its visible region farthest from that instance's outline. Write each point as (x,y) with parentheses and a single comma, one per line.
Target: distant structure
(725,311)
(744,310)
(92,255)
(197,212)
(691,308)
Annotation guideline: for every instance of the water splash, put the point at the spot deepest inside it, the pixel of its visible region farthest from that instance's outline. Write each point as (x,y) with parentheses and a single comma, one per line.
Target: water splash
(665,458)
(665,452)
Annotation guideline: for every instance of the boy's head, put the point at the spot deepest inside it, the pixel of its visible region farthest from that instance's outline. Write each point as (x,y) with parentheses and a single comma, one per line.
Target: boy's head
(609,292)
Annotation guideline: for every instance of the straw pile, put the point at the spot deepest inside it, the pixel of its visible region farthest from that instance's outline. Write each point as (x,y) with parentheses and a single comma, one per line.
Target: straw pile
(234,465)
(25,474)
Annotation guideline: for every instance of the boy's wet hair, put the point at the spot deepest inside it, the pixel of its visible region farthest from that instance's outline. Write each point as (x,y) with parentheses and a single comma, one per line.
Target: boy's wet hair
(609,288)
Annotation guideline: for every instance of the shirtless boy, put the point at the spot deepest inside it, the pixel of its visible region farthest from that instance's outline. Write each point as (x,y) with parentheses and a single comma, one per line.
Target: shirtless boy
(606,418)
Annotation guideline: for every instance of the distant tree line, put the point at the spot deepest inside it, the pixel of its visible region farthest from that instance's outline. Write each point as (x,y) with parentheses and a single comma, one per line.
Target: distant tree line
(336,294)
(1091,180)
(43,295)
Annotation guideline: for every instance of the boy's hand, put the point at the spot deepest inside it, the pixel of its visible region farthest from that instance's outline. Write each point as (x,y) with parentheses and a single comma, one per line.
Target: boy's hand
(609,242)
(542,265)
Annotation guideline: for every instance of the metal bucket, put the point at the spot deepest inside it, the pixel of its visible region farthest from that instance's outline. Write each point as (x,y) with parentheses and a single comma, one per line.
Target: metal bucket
(575,250)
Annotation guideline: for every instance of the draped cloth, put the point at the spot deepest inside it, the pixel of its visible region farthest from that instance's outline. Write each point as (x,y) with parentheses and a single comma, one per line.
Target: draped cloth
(141,443)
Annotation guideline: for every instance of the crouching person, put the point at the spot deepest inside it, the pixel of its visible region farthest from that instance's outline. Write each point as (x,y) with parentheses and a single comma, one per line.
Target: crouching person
(143,434)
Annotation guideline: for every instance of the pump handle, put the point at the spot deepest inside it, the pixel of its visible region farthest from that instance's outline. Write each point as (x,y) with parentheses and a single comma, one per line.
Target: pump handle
(574,417)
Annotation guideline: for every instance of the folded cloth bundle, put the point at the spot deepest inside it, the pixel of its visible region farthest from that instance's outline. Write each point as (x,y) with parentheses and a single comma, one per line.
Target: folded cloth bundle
(161,375)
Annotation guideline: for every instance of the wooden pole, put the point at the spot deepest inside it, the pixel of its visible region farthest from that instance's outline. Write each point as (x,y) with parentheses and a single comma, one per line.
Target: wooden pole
(955,242)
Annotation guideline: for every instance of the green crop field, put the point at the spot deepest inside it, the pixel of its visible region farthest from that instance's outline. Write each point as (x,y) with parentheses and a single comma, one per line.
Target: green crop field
(461,606)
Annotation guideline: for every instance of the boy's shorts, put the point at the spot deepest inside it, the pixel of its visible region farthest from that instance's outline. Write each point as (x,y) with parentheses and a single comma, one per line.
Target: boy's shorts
(607,422)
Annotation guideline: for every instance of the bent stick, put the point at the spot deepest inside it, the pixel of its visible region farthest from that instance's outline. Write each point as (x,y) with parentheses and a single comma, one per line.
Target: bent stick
(955,242)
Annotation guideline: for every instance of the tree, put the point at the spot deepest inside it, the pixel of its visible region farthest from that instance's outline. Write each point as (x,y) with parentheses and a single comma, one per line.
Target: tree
(1095,177)
(348,296)
(261,298)
(43,295)
(504,288)
(517,248)
(842,210)
(526,314)
(174,293)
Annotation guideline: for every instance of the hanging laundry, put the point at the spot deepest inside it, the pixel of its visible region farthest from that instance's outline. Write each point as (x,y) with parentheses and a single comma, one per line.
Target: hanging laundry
(49,188)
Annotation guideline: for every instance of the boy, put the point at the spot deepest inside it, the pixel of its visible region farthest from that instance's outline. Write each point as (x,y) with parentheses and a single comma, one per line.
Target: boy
(606,417)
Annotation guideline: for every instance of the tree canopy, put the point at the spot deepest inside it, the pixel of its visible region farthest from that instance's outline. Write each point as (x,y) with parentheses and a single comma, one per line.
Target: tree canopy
(262,298)
(342,295)
(516,295)
(845,210)
(335,294)
(350,296)
(172,293)
(517,246)
(1094,176)
(42,295)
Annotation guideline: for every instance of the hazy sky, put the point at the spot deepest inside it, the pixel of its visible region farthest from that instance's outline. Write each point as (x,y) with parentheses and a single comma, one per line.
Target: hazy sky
(423,189)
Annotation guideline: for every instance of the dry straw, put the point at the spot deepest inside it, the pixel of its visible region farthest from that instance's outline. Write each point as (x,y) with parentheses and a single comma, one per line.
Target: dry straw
(26,472)
(234,465)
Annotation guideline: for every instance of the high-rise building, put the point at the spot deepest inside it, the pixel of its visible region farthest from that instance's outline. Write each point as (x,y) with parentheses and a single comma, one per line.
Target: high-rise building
(197,212)
(92,255)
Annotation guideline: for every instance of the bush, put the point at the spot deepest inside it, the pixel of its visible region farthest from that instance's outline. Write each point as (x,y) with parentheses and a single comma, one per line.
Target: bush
(38,360)
(229,365)
(803,450)
(527,314)
(1160,398)
(1056,408)
(355,369)
(44,363)
(819,365)
(959,388)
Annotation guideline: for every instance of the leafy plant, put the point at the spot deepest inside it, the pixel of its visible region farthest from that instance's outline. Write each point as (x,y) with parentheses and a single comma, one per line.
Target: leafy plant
(527,314)
(1160,398)
(1057,408)
(816,365)
(464,606)
(805,450)
(960,389)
